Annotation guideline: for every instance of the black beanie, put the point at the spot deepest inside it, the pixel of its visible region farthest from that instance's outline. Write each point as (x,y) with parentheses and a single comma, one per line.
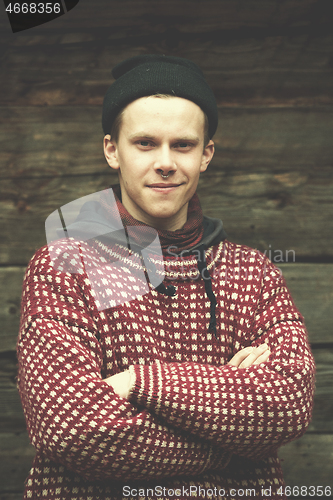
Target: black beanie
(151,74)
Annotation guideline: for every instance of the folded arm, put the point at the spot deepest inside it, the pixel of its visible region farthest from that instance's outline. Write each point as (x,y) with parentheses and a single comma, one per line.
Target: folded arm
(73,416)
(123,383)
(248,409)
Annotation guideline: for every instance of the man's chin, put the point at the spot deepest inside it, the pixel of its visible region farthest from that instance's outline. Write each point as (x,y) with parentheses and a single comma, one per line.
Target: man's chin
(169,221)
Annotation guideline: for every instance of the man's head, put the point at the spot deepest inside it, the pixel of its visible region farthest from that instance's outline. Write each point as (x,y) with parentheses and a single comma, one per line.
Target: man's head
(160,141)
(145,75)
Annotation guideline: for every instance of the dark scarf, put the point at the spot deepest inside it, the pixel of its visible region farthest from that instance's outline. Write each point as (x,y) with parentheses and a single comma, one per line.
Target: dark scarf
(182,239)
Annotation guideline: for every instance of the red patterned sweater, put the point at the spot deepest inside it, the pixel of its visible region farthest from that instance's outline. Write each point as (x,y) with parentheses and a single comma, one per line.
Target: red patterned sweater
(191,421)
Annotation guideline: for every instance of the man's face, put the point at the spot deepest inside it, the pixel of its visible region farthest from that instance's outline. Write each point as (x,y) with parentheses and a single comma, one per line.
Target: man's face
(159,135)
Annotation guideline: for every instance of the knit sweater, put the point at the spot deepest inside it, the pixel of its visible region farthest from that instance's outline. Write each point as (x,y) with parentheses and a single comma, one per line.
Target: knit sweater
(192,425)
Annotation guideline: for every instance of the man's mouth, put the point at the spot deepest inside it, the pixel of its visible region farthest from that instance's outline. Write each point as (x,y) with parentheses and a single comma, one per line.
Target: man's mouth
(163,185)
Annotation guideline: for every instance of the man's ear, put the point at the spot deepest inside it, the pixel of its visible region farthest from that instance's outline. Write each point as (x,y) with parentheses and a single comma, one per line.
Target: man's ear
(110,152)
(207,155)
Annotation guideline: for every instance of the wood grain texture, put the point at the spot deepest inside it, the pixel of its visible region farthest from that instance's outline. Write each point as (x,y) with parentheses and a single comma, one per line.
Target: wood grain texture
(13,495)
(11,280)
(311,286)
(16,455)
(24,209)
(309,461)
(322,418)
(267,71)
(287,212)
(44,141)
(274,210)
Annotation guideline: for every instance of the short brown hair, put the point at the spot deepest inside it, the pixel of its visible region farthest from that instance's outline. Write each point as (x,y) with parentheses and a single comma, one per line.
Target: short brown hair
(118,120)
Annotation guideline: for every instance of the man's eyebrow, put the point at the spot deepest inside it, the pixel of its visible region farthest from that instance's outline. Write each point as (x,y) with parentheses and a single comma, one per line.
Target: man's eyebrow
(188,138)
(144,135)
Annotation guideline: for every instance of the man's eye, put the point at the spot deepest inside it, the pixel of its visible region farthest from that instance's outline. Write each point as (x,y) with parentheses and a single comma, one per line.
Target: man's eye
(145,144)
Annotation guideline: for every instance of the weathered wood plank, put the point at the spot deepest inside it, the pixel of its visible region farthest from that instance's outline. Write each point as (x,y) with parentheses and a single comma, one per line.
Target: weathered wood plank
(10,299)
(52,141)
(12,496)
(26,209)
(271,181)
(268,71)
(309,461)
(44,141)
(275,137)
(16,455)
(274,210)
(11,413)
(322,418)
(311,286)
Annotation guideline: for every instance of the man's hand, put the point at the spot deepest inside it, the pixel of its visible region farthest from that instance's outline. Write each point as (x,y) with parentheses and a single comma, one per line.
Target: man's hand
(250,356)
(121,383)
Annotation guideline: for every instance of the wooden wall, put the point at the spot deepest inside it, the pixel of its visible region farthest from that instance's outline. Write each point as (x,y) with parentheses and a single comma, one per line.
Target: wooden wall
(270,64)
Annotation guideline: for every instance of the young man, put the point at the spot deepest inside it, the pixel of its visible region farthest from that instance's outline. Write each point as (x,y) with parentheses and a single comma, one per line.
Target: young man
(190,387)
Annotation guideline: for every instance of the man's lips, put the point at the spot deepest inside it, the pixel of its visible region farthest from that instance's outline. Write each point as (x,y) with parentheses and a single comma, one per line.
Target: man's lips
(163,185)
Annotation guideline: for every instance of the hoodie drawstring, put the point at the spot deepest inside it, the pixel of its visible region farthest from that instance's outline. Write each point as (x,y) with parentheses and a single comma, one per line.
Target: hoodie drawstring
(202,266)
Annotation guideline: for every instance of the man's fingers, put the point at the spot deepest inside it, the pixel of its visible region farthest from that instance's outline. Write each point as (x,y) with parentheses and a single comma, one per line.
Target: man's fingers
(240,356)
(255,357)
(264,357)
(250,356)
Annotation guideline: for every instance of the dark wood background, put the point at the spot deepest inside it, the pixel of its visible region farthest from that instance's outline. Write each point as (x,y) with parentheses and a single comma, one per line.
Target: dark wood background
(270,64)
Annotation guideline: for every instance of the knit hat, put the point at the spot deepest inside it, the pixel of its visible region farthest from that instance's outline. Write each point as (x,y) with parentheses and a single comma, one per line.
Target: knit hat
(151,74)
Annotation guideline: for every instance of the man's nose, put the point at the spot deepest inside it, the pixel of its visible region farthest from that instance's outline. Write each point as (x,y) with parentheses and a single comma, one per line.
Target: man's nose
(165,161)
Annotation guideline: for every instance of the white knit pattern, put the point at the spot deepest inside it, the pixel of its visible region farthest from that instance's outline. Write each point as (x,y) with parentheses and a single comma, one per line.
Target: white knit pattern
(189,415)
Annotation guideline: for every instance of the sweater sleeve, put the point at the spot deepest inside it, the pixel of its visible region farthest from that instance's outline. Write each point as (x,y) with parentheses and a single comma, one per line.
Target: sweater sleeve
(73,417)
(248,411)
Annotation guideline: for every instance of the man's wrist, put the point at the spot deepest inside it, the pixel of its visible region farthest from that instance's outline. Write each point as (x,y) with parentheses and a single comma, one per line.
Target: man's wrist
(122,383)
